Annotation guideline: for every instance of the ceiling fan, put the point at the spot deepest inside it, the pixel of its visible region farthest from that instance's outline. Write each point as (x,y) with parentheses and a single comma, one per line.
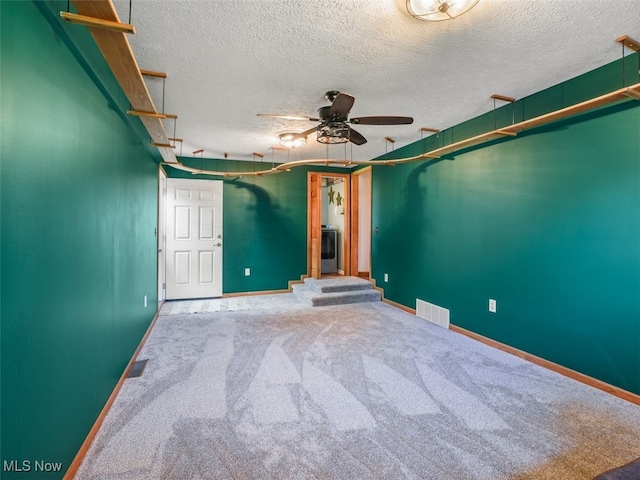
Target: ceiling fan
(334,120)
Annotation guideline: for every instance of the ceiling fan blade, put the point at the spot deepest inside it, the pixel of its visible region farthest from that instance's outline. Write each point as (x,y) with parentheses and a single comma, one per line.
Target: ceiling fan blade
(356,137)
(384,120)
(304,134)
(287,117)
(342,104)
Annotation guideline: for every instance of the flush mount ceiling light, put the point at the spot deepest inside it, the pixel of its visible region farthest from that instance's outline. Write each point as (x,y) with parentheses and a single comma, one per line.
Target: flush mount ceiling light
(291,140)
(438,10)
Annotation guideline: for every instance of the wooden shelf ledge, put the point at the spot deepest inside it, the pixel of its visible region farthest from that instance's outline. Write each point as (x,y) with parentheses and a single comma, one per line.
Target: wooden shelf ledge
(114,26)
(117,52)
(629,42)
(623,94)
(496,96)
(151,73)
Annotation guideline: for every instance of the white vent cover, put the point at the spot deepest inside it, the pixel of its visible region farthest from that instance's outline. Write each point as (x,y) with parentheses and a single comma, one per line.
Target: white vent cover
(432,313)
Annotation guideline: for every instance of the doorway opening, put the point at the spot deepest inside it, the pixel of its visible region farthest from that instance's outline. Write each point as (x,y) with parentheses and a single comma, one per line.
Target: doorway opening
(333,239)
(329,224)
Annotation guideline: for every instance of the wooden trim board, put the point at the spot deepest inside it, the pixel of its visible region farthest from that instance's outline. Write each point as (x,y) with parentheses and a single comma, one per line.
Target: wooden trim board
(567,372)
(354,220)
(256,293)
(84,448)
(314,222)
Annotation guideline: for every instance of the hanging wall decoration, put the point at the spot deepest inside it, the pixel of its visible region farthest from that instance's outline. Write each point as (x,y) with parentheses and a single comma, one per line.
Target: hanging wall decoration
(331,193)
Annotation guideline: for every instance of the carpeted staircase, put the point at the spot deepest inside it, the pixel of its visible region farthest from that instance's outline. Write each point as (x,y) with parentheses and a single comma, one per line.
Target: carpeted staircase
(335,291)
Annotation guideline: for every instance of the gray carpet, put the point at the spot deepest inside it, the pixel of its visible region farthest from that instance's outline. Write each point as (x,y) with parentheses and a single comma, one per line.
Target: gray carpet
(335,291)
(282,390)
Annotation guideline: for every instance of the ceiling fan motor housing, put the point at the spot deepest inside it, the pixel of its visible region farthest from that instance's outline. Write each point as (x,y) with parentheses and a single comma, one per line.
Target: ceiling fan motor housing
(331,95)
(325,115)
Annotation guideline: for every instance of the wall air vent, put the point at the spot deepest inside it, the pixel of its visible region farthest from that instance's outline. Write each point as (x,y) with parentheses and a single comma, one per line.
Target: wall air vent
(432,313)
(137,369)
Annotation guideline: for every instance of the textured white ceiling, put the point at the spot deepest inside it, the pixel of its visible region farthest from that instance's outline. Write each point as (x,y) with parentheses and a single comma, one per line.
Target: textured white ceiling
(228,60)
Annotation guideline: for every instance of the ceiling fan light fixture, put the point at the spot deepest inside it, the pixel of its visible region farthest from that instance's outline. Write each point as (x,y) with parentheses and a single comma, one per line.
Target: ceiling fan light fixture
(438,10)
(290,140)
(334,133)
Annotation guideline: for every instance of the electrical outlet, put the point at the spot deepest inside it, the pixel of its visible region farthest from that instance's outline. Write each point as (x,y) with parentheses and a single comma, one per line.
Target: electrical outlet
(492,305)
(386,277)
(247,272)
(145,301)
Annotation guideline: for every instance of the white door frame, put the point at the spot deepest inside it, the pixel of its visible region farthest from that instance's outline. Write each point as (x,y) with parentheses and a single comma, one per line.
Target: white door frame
(161,233)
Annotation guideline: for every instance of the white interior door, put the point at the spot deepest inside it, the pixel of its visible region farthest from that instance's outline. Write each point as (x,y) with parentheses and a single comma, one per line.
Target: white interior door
(194,238)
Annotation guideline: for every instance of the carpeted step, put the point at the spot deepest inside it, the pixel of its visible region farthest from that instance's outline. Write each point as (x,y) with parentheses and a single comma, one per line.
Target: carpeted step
(316,298)
(338,284)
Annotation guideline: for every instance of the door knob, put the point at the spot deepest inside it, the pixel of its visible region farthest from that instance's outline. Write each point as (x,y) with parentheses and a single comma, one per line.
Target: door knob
(218,244)
(218,236)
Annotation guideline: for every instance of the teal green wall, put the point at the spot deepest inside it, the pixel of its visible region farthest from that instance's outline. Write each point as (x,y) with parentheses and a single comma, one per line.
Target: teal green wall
(264,224)
(78,212)
(548,224)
